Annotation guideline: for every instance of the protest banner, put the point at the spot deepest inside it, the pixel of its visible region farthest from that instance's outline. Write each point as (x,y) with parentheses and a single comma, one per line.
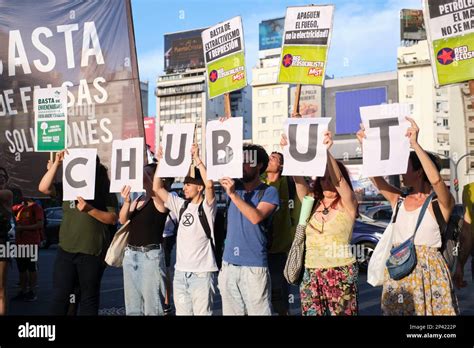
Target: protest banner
(386,148)
(450,29)
(79,174)
(50,107)
(127,165)
(224,154)
(305,155)
(177,142)
(223,46)
(85,46)
(306,43)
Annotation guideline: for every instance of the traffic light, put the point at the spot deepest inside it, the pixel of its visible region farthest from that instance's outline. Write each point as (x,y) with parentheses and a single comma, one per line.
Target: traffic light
(456,185)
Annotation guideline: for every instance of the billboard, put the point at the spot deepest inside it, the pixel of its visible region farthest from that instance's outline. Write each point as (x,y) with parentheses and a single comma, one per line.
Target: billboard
(150,131)
(412,26)
(271,33)
(183,50)
(348,105)
(66,43)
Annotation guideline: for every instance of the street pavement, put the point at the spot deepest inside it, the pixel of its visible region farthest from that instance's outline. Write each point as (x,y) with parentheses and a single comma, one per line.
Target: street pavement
(112,299)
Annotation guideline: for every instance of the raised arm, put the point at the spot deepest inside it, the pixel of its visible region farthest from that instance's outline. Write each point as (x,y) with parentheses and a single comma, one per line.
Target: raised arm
(148,185)
(348,197)
(389,192)
(158,188)
(46,184)
(302,188)
(254,215)
(106,217)
(445,198)
(125,210)
(209,184)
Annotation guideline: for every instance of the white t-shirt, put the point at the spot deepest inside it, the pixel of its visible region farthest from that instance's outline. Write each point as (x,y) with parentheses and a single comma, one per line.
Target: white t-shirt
(193,248)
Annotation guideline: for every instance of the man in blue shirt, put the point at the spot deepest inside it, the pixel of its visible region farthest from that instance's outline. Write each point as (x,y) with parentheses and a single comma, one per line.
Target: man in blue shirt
(244,280)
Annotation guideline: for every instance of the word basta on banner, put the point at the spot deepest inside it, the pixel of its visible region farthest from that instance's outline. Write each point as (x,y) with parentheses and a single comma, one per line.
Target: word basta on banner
(306,44)
(87,47)
(224,54)
(450,29)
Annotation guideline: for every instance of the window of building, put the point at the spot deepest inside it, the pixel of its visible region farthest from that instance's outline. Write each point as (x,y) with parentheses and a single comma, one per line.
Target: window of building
(276,147)
(276,105)
(263,120)
(471,130)
(471,142)
(410,91)
(277,120)
(263,134)
(263,92)
(277,91)
(277,133)
(262,77)
(445,122)
(409,74)
(262,106)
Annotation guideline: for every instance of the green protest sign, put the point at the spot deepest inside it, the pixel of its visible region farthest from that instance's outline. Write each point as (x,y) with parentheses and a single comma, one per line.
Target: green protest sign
(224,55)
(50,105)
(450,29)
(305,44)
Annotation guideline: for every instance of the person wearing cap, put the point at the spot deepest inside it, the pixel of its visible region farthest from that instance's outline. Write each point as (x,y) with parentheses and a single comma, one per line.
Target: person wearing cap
(194,276)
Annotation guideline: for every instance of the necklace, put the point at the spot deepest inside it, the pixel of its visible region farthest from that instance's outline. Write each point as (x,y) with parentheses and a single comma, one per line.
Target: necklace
(331,206)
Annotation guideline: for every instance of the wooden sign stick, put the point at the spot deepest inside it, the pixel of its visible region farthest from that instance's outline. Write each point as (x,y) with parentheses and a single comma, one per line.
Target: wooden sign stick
(471,90)
(227,105)
(296,105)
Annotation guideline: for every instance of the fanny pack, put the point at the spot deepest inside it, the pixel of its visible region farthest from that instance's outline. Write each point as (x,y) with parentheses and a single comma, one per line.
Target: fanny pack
(402,258)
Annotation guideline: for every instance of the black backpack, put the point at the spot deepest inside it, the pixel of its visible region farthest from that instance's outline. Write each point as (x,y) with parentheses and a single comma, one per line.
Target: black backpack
(450,233)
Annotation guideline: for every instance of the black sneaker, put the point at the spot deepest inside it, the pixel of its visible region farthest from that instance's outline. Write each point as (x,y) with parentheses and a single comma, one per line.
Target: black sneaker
(19,297)
(168,310)
(30,296)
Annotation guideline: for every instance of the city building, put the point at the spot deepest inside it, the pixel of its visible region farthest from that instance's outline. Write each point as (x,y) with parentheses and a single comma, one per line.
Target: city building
(144,95)
(444,114)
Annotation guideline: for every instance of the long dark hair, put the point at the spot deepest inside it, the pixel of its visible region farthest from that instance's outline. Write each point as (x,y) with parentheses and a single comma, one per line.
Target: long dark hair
(416,163)
(318,189)
(102,187)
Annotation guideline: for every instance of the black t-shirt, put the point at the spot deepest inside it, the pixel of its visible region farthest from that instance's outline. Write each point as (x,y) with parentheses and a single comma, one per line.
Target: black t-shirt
(146,225)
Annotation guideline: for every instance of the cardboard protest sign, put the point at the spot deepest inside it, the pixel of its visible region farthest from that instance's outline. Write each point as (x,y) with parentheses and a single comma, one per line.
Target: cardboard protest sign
(86,46)
(450,29)
(223,46)
(305,155)
(50,105)
(386,148)
(224,142)
(127,165)
(79,174)
(177,142)
(305,44)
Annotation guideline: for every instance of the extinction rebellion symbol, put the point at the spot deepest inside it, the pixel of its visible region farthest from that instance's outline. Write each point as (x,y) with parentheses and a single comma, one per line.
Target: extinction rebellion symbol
(287,60)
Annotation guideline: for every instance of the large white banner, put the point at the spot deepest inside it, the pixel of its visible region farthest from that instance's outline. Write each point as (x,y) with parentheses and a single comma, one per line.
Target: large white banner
(79,174)
(127,165)
(305,155)
(177,142)
(224,142)
(386,148)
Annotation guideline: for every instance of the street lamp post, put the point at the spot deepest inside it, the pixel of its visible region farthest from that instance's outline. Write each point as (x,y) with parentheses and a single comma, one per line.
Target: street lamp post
(456,178)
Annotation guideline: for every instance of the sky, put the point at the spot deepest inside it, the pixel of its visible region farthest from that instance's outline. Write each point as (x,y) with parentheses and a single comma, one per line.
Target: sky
(366,33)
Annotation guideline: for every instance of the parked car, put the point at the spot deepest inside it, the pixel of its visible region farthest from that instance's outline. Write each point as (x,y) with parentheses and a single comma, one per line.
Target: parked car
(380,212)
(365,236)
(53,217)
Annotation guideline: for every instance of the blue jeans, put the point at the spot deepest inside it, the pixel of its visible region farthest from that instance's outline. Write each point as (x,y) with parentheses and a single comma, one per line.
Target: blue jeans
(245,290)
(193,292)
(144,275)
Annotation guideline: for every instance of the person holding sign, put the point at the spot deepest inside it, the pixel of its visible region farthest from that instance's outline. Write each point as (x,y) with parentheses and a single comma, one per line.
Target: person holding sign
(6,202)
(81,241)
(194,278)
(428,289)
(144,269)
(244,280)
(329,284)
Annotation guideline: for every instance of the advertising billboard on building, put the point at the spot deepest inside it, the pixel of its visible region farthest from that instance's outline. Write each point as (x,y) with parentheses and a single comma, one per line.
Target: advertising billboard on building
(183,50)
(412,26)
(271,33)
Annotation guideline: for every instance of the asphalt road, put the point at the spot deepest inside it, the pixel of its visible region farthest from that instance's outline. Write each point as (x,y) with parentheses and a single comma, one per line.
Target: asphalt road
(112,300)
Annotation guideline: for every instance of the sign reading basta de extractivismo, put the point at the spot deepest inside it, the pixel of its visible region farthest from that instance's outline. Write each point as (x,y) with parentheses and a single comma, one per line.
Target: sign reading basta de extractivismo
(86,46)
(450,29)
(224,54)
(305,44)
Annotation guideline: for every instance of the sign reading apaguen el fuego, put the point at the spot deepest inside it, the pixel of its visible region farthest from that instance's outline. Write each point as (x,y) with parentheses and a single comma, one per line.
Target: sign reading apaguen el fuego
(87,46)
